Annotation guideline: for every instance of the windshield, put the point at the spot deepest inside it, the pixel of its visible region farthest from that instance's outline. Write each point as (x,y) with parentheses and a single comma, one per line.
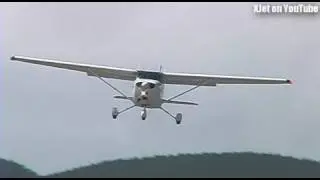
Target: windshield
(150,75)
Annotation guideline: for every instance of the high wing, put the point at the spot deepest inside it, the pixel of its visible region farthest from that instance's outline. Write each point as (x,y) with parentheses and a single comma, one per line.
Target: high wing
(168,78)
(213,80)
(102,71)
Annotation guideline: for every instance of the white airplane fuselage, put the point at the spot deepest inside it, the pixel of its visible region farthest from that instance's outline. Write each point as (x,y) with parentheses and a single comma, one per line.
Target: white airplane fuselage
(148,93)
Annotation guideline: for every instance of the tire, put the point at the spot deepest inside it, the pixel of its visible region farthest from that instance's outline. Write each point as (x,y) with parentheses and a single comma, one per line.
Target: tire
(114,113)
(143,114)
(178,118)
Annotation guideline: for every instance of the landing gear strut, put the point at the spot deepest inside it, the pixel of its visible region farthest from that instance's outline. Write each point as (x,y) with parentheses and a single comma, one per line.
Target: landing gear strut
(178,117)
(144,114)
(115,111)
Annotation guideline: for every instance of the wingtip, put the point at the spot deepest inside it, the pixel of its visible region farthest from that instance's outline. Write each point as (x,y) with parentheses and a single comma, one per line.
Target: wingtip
(289,81)
(13,58)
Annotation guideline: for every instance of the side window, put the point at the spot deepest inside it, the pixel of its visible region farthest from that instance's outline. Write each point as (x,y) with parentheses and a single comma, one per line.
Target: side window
(139,84)
(151,85)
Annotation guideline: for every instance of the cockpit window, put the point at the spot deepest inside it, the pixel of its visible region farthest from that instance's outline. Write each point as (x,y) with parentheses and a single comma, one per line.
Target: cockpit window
(151,85)
(139,84)
(150,75)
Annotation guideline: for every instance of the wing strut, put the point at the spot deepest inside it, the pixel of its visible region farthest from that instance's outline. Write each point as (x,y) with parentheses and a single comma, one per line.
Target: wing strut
(126,109)
(114,88)
(174,97)
(167,112)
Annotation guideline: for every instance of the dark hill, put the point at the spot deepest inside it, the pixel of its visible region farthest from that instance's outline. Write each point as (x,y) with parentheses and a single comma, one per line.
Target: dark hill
(10,169)
(202,165)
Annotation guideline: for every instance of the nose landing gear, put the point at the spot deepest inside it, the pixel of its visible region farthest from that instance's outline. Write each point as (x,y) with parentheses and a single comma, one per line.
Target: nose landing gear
(144,114)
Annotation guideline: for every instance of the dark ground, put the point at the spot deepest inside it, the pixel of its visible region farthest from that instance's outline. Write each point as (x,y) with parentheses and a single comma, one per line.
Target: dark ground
(186,165)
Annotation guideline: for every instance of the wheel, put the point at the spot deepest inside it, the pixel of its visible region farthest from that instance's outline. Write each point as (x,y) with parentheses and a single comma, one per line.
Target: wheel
(115,113)
(144,114)
(178,118)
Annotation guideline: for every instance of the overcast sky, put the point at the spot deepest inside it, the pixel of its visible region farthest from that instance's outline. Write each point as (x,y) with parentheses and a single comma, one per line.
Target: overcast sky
(54,119)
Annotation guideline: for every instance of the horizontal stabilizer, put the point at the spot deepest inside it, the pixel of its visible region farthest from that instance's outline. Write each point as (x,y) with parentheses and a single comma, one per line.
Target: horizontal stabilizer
(178,102)
(122,97)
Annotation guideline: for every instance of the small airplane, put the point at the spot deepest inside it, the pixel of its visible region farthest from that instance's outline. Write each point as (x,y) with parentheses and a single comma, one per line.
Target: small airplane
(149,85)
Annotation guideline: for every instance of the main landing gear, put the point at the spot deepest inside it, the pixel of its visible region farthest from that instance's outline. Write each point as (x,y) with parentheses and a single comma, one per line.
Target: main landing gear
(178,117)
(115,113)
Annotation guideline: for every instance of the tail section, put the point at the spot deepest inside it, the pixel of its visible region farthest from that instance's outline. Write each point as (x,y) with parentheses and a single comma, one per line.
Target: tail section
(122,97)
(179,102)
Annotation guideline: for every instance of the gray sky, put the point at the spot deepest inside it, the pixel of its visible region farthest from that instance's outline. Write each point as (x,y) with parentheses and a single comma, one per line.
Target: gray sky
(54,119)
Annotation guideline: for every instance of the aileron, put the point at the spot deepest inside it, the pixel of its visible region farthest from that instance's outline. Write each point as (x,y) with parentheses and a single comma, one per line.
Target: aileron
(102,71)
(213,80)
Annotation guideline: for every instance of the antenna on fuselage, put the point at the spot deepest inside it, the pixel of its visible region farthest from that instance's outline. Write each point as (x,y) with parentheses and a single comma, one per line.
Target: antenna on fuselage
(160,68)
